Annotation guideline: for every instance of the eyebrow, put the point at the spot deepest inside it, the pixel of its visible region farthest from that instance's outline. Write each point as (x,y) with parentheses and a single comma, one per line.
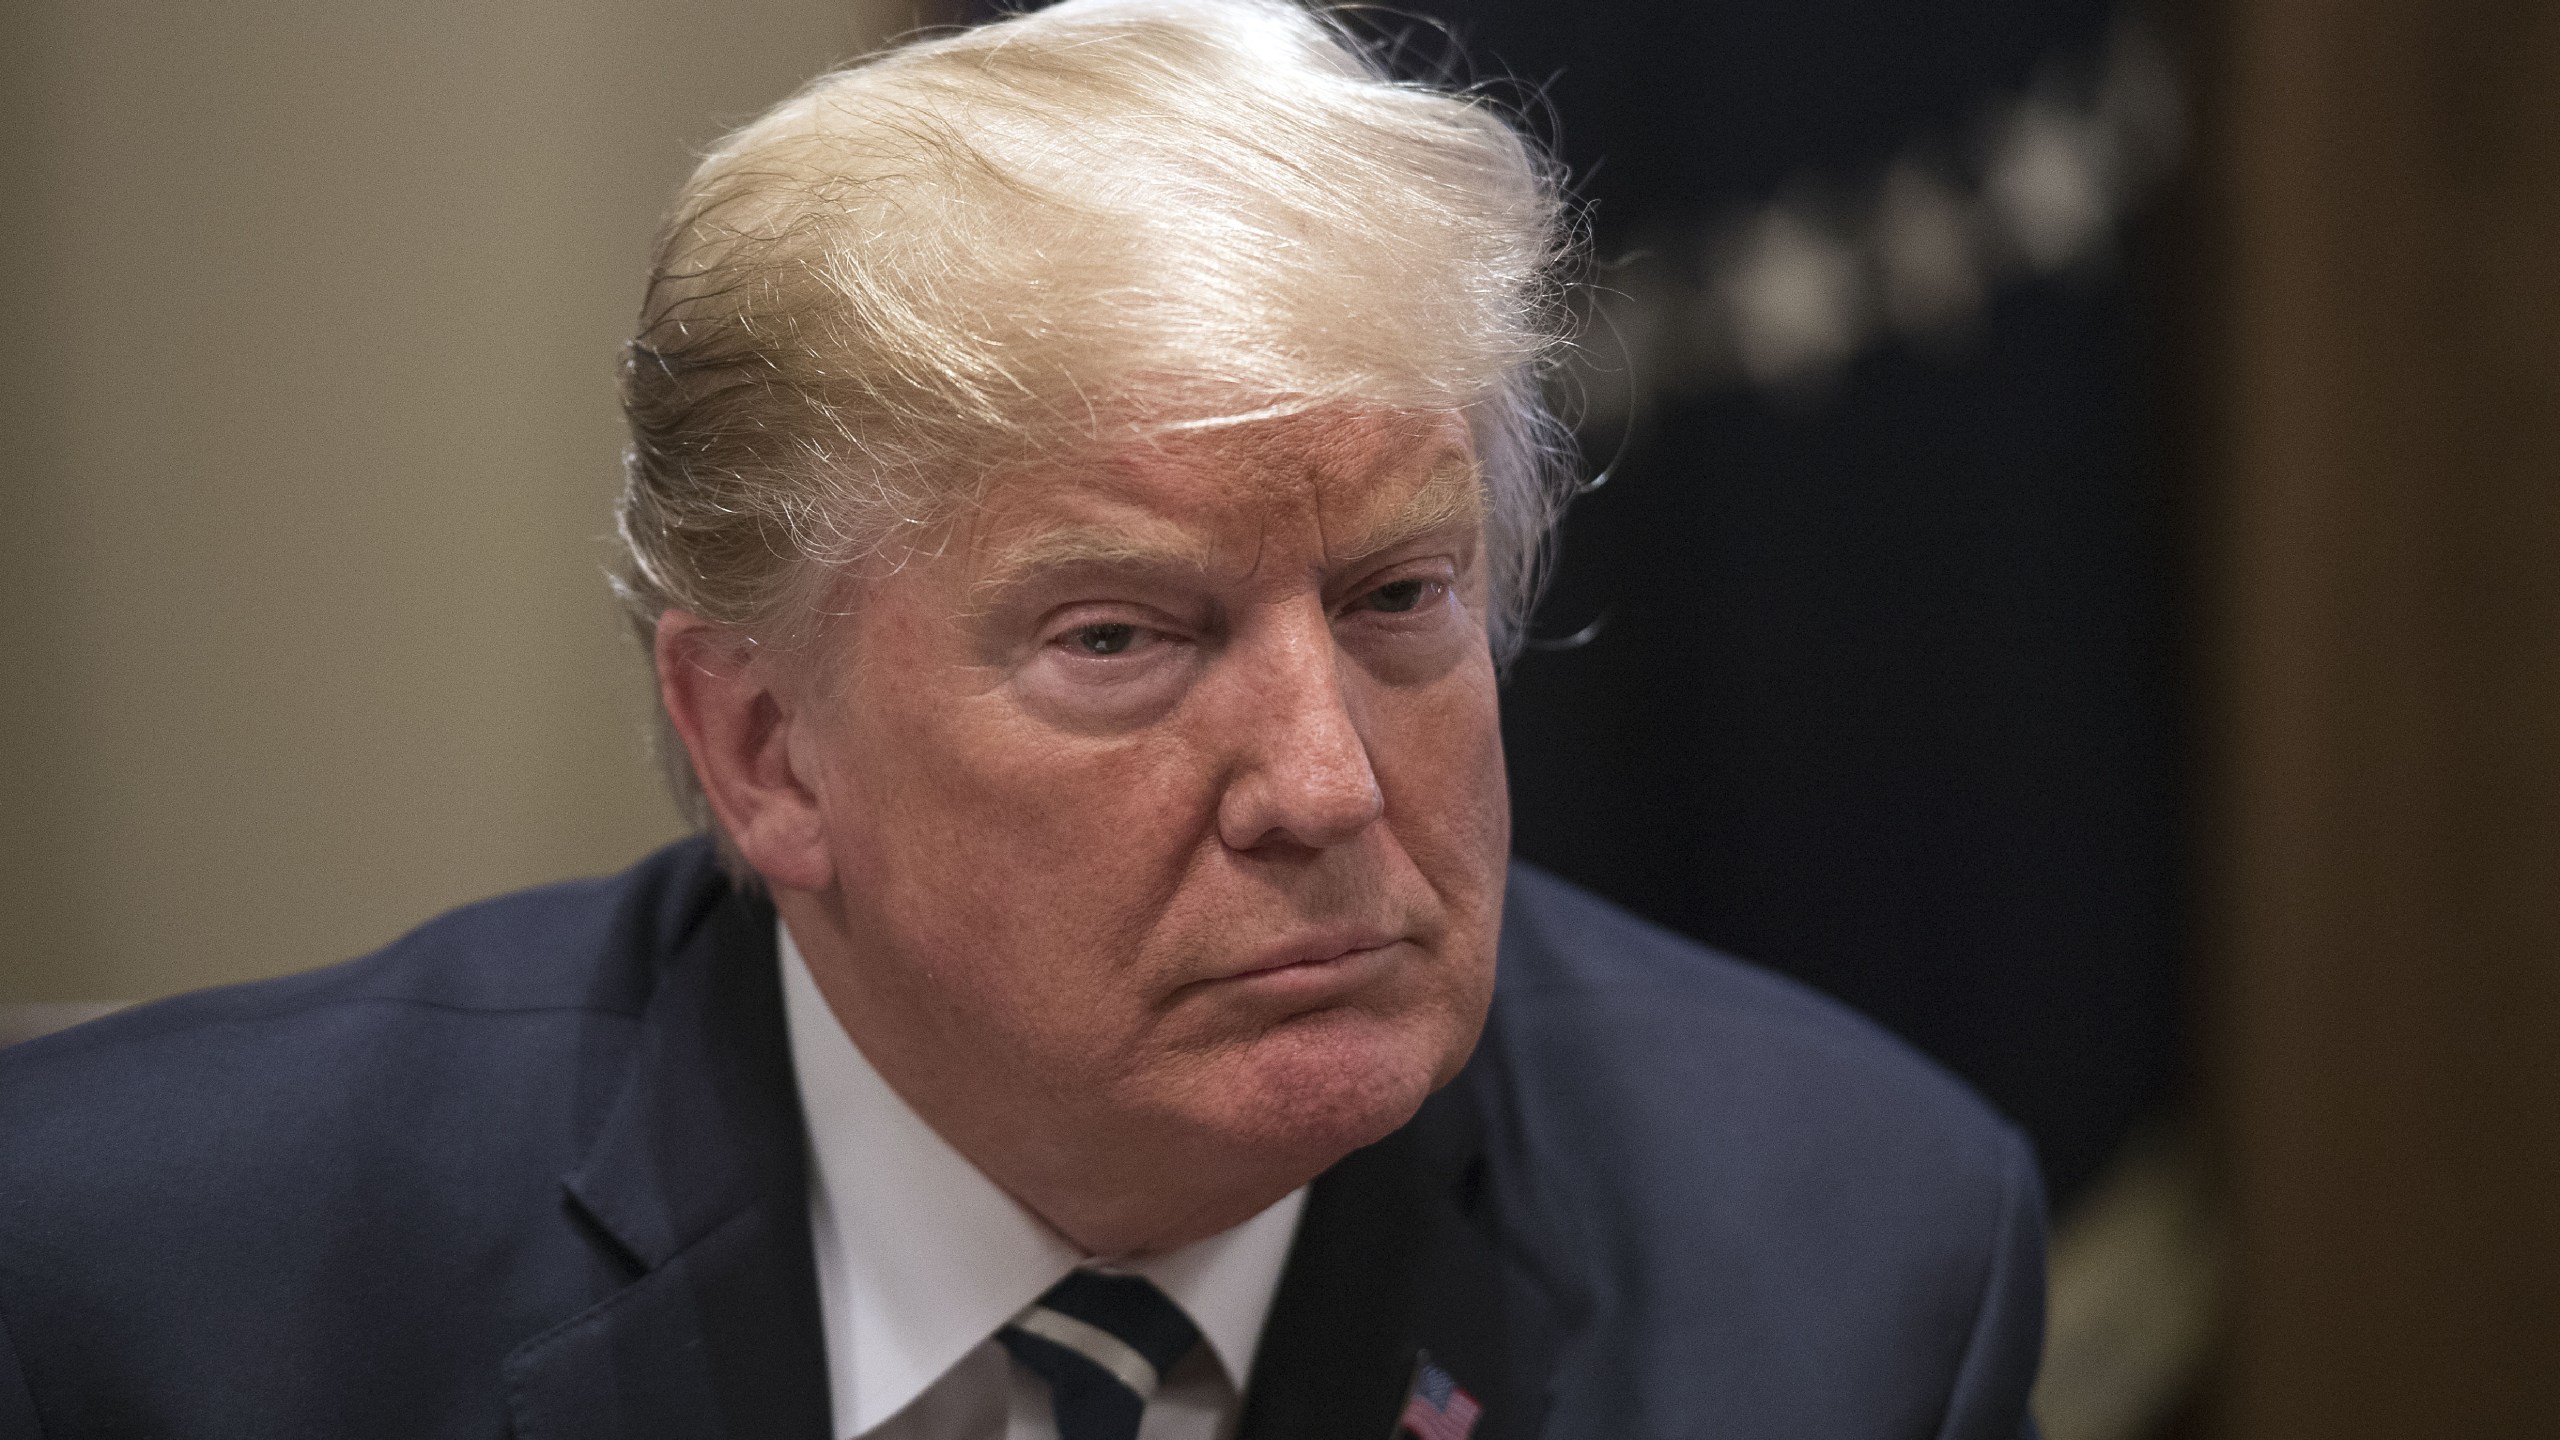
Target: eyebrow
(1086,547)
(1452,494)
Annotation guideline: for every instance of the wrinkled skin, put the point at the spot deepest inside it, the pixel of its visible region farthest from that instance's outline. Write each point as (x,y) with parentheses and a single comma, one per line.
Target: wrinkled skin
(1147,833)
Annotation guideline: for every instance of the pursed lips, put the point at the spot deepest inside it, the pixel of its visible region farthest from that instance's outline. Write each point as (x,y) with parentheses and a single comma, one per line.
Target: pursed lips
(1315,950)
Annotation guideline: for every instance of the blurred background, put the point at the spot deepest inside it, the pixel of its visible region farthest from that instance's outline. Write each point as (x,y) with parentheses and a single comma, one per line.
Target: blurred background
(2073,570)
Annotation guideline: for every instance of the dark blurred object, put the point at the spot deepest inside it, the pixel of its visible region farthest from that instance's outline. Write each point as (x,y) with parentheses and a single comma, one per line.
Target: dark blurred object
(2385,528)
(1881,688)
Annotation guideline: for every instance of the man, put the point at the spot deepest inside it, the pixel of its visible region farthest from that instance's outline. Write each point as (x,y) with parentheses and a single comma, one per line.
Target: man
(1085,472)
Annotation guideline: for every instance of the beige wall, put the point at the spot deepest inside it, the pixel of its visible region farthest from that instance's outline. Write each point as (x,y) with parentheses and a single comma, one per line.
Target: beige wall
(309,441)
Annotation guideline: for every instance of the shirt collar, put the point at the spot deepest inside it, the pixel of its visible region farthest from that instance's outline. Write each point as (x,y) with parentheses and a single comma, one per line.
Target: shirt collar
(921,1257)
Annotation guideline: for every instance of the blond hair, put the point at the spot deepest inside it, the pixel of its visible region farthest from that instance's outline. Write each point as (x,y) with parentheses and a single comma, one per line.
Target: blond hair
(1102,217)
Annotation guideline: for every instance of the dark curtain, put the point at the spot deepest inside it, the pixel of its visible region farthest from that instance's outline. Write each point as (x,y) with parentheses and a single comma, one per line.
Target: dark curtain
(1881,692)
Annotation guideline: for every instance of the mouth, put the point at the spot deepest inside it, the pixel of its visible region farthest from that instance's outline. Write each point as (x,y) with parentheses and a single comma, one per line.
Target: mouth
(1310,965)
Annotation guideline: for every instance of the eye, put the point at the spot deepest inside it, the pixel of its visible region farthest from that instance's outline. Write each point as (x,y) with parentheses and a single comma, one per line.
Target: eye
(1397,597)
(1112,639)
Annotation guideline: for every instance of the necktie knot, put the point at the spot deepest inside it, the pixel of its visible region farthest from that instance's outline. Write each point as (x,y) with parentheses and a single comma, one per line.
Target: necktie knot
(1104,1343)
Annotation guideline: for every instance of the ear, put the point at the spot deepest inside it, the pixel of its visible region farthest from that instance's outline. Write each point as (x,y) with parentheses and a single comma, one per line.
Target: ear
(736,722)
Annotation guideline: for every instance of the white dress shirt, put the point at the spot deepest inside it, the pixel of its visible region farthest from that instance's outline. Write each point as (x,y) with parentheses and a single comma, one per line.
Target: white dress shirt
(921,1259)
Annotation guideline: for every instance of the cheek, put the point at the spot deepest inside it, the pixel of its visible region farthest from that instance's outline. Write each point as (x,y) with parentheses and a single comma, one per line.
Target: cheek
(1448,805)
(1438,754)
(1027,866)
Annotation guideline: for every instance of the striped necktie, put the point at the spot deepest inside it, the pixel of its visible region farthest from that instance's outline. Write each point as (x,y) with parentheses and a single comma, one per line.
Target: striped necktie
(1103,1342)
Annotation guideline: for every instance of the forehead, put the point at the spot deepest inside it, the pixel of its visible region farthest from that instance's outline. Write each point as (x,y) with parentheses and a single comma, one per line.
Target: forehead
(1349,482)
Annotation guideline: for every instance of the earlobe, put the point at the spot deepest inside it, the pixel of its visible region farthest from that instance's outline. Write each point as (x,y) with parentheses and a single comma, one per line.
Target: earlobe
(736,722)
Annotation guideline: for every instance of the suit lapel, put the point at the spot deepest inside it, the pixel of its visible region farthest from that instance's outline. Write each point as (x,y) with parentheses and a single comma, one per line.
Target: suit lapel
(1397,1256)
(698,1176)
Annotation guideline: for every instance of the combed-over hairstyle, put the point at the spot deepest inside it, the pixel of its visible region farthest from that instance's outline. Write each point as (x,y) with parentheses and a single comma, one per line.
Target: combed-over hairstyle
(1102,218)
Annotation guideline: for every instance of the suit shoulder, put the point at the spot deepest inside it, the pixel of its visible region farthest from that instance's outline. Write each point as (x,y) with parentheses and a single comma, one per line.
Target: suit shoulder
(1743,1184)
(1576,964)
(333,1152)
(1651,1076)
(576,945)
(494,1007)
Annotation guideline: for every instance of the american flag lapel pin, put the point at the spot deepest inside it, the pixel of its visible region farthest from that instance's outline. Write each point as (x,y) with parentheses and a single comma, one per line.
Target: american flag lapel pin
(1435,1406)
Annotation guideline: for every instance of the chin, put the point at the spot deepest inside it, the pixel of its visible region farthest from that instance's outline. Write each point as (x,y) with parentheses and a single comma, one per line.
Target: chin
(1323,1085)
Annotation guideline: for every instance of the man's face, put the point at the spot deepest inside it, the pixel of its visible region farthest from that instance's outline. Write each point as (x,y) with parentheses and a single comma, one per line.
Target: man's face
(1165,801)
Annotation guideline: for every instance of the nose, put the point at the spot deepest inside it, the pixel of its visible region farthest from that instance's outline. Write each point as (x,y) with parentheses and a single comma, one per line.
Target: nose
(1302,775)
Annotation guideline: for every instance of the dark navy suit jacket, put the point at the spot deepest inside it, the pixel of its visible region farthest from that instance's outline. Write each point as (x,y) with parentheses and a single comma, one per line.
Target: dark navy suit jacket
(537,1170)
